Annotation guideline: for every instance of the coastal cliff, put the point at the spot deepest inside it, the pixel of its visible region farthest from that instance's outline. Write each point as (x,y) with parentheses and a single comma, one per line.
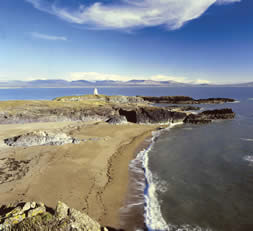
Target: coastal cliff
(100,108)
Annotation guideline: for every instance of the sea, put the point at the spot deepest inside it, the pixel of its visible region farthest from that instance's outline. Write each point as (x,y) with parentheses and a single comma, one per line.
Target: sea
(196,177)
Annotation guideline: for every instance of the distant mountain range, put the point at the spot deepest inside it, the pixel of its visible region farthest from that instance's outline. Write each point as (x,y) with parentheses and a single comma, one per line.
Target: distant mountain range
(59,83)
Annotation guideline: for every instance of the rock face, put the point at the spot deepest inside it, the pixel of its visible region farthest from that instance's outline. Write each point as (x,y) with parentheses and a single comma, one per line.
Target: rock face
(32,216)
(185,100)
(43,113)
(210,115)
(40,138)
(117,120)
(151,115)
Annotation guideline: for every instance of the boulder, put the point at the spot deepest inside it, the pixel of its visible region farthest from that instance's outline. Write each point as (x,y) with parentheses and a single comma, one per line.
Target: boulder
(40,218)
(40,138)
(36,211)
(80,221)
(61,210)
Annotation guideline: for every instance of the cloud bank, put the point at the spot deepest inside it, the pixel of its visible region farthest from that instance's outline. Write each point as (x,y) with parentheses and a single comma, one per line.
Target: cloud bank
(48,37)
(130,14)
(94,76)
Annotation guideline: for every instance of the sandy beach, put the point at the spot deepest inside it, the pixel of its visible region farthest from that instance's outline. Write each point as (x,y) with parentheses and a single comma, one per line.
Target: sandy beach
(91,176)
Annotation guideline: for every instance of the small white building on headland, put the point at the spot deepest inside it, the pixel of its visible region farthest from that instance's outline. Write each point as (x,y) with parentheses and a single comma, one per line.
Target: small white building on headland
(95,91)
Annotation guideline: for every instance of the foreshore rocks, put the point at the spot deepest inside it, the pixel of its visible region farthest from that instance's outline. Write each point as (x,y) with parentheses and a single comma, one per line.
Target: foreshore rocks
(210,115)
(32,216)
(185,100)
(40,138)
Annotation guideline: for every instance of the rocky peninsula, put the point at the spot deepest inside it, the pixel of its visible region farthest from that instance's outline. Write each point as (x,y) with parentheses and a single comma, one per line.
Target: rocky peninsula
(76,149)
(186,100)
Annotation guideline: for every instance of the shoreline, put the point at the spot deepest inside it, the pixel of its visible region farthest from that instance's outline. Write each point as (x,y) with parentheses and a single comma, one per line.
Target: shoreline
(120,173)
(91,177)
(132,214)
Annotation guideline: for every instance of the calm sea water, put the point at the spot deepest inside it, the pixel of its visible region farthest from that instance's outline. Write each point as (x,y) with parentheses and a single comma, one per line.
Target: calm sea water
(203,173)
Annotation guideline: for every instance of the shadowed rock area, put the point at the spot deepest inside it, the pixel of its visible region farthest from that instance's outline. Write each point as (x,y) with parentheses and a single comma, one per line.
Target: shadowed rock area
(151,115)
(117,120)
(185,100)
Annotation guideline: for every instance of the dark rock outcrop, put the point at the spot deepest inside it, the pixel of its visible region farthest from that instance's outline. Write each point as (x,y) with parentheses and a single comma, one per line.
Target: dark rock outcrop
(151,115)
(185,100)
(117,120)
(210,115)
(40,138)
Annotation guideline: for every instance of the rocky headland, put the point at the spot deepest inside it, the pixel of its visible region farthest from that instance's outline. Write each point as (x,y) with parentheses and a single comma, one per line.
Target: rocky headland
(101,108)
(210,115)
(43,157)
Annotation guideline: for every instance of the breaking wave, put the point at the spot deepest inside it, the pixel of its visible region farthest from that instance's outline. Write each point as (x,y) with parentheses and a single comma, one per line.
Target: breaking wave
(247,139)
(248,158)
(153,216)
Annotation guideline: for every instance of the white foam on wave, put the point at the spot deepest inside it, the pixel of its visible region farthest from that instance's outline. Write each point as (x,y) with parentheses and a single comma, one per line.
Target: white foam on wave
(248,158)
(153,215)
(246,139)
(250,99)
(236,101)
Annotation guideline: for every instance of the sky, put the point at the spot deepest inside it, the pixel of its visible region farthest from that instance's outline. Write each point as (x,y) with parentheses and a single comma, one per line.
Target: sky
(197,41)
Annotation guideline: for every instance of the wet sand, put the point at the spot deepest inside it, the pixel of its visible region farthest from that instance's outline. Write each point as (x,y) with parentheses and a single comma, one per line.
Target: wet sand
(91,176)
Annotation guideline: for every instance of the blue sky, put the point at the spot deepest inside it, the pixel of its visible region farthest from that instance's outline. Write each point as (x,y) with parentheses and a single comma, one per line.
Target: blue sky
(182,40)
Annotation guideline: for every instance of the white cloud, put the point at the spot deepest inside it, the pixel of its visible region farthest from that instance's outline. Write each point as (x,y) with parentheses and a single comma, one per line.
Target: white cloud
(201,81)
(128,14)
(48,37)
(94,76)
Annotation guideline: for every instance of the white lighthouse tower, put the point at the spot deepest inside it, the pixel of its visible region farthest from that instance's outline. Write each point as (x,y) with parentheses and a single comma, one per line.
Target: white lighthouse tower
(95,91)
